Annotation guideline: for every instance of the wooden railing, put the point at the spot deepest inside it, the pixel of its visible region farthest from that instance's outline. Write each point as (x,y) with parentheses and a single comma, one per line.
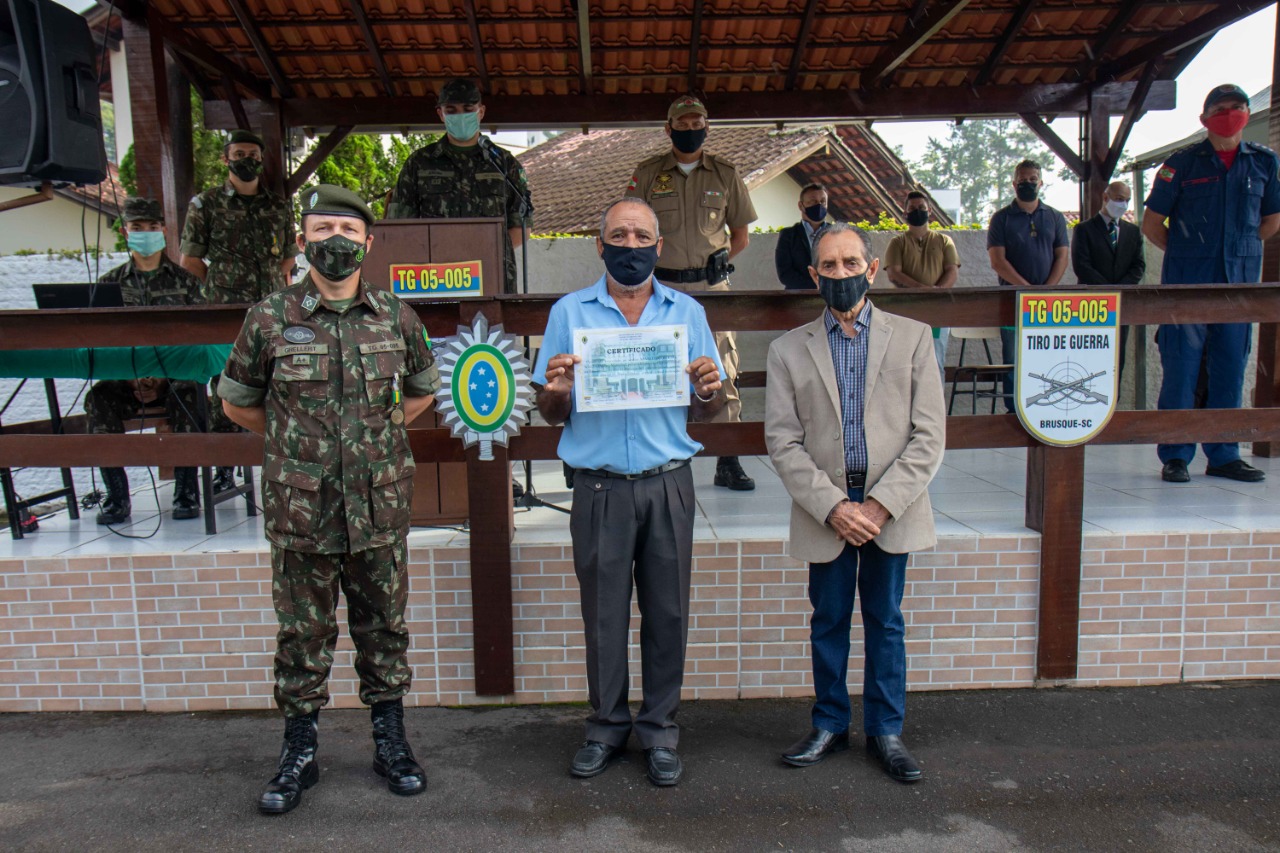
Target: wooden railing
(1055,476)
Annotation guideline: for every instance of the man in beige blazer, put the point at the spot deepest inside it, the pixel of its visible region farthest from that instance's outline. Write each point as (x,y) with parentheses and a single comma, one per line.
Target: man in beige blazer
(854,421)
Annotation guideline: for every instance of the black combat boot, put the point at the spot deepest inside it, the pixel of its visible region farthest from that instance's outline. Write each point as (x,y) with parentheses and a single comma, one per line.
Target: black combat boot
(392,757)
(729,473)
(116,506)
(224,479)
(186,497)
(298,769)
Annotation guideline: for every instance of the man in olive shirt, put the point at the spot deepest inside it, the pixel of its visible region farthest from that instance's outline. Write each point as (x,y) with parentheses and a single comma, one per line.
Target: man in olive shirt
(922,259)
(703,210)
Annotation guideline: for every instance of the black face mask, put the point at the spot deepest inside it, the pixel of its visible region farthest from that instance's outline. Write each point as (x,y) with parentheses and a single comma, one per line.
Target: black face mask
(246,169)
(816,212)
(630,267)
(688,141)
(842,294)
(335,258)
(918,217)
(1028,191)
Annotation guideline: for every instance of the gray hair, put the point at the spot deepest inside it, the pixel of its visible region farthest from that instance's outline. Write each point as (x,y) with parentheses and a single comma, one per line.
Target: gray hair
(629,199)
(840,228)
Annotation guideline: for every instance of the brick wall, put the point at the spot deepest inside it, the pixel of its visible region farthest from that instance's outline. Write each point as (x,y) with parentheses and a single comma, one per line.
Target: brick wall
(196,632)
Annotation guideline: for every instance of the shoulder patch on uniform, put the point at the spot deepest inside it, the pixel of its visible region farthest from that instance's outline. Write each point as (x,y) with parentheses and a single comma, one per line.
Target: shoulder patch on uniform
(1165,174)
(426,339)
(633,183)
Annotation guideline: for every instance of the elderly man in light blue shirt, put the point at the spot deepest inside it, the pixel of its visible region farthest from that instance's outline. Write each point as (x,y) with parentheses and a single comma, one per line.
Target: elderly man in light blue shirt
(633,498)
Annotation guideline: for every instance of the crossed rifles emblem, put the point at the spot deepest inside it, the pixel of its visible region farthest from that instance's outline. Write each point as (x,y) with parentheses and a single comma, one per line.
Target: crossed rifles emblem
(1074,390)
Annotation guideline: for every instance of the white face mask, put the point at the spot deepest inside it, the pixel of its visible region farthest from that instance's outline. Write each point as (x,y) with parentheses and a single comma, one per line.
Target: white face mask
(1116,209)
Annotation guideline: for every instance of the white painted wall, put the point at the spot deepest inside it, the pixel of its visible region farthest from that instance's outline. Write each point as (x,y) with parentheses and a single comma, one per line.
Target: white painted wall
(775,202)
(120,100)
(53,224)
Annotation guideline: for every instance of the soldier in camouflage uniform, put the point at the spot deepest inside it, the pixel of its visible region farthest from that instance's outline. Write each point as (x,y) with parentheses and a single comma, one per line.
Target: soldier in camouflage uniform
(238,240)
(463,175)
(331,371)
(147,278)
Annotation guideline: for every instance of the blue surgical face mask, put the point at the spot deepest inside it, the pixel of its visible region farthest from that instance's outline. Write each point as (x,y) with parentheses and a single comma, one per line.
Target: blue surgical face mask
(462,126)
(146,243)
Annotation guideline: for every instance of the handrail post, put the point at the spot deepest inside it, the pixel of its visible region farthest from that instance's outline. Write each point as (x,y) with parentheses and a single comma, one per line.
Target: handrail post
(1055,508)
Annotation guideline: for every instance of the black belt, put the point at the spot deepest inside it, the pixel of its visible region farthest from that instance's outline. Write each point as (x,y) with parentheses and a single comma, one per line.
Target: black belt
(643,475)
(855,481)
(681,276)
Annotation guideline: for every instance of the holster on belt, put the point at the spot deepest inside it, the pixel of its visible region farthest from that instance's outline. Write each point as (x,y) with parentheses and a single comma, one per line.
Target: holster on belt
(718,267)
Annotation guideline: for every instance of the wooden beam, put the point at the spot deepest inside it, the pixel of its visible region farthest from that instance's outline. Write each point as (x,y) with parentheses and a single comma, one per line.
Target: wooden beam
(695,40)
(600,111)
(308,166)
(914,34)
(1132,114)
(45,193)
(584,47)
(152,117)
(237,107)
(182,146)
(1010,33)
(1056,145)
(1203,27)
(473,25)
(802,42)
(1055,508)
(189,70)
(1098,50)
(1098,139)
(261,48)
(375,52)
(274,133)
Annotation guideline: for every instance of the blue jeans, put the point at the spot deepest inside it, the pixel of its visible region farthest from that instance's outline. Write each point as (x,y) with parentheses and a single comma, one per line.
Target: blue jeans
(1226,346)
(878,578)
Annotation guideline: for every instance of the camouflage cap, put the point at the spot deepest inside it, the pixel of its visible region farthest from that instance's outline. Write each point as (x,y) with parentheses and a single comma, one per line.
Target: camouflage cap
(246,136)
(683,105)
(459,91)
(1224,92)
(335,201)
(138,209)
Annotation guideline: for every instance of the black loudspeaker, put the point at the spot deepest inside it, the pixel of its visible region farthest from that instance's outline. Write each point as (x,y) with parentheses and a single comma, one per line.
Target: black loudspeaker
(50,121)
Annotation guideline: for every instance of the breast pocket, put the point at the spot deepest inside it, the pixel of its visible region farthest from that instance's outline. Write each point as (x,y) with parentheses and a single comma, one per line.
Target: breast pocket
(301,376)
(668,210)
(491,194)
(380,363)
(226,230)
(711,209)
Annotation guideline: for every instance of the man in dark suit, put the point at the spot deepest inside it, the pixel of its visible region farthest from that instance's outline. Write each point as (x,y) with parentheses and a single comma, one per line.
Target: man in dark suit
(1108,250)
(795,244)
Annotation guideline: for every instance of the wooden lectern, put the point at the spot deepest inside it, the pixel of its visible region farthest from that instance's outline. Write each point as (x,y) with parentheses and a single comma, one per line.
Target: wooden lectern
(439,260)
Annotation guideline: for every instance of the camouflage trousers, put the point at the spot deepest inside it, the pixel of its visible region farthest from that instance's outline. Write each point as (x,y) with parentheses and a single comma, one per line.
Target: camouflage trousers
(305,589)
(111,402)
(727,347)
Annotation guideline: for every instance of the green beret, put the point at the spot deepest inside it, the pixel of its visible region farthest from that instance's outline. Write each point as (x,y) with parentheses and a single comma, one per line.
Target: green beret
(335,201)
(246,136)
(459,91)
(139,209)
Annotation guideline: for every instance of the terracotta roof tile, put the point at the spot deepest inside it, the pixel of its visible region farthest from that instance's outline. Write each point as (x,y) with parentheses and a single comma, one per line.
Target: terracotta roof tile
(110,193)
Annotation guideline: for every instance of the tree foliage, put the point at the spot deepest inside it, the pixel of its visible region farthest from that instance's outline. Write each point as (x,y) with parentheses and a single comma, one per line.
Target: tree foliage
(206,147)
(368,166)
(978,158)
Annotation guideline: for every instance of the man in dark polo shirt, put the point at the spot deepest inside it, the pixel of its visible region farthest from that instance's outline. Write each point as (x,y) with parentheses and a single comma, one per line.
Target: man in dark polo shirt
(1028,246)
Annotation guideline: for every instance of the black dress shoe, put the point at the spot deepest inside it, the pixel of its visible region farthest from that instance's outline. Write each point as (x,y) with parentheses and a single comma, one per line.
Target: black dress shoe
(1237,470)
(729,473)
(593,759)
(1175,471)
(892,754)
(815,746)
(663,766)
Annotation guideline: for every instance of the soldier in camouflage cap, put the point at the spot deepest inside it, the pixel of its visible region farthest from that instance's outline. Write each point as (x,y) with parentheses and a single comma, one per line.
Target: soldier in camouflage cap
(239,240)
(463,175)
(331,371)
(147,278)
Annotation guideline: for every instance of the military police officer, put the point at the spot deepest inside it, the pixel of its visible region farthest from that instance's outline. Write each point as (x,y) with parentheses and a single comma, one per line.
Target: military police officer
(463,174)
(703,209)
(331,371)
(1221,198)
(147,278)
(238,240)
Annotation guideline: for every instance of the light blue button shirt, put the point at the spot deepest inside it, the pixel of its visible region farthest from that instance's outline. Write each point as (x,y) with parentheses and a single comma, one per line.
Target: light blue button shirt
(633,440)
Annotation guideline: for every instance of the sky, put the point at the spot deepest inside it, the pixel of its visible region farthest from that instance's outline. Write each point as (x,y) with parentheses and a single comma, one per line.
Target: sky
(1239,54)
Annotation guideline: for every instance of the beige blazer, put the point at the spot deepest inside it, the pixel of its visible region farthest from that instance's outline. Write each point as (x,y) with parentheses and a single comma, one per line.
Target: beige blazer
(904,421)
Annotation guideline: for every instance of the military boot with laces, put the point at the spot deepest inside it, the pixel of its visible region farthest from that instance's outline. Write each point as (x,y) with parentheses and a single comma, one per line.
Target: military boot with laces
(392,757)
(298,769)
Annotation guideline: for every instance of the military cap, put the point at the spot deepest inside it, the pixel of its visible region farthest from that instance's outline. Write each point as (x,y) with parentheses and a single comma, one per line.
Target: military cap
(139,209)
(683,105)
(1224,92)
(459,91)
(335,201)
(246,136)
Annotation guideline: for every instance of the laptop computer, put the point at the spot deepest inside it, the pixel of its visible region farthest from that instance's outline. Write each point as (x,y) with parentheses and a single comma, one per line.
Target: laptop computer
(77,295)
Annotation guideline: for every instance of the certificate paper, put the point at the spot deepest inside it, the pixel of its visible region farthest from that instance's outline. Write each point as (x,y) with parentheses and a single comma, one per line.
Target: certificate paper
(631,368)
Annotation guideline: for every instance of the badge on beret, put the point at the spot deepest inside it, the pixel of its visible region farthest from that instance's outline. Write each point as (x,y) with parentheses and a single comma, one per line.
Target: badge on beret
(299,334)
(312,201)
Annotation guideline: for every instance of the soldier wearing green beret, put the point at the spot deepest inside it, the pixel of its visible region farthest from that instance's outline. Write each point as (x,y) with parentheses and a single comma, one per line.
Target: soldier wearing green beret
(331,371)
(239,240)
(147,278)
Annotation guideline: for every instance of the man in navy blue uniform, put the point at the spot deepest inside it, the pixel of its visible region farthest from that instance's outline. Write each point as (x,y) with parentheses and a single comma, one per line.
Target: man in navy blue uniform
(1221,199)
